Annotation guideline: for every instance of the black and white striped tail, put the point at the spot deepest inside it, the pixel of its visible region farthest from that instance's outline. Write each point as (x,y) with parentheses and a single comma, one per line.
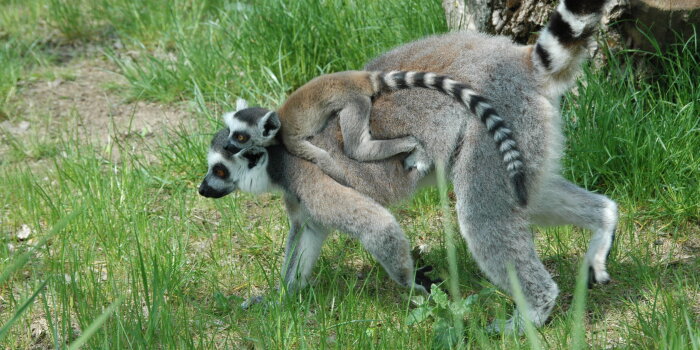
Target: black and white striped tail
(496,126)
(561,45)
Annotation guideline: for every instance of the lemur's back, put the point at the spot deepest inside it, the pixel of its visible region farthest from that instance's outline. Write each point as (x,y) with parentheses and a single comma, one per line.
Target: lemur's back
(497,69)
(494,66)
(308,106)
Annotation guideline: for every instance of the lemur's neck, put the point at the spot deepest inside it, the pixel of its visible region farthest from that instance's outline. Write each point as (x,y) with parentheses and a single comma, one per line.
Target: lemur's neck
(277,164)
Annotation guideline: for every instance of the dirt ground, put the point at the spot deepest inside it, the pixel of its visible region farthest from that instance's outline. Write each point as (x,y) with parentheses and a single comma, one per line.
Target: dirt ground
(83,98)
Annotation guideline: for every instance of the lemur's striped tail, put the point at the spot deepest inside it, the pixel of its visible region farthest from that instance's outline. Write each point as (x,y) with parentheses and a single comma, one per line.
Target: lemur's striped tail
(563,44)
(496,126)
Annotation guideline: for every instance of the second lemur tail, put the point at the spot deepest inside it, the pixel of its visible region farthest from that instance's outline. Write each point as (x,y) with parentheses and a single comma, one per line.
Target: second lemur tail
(496,126)
(563,44)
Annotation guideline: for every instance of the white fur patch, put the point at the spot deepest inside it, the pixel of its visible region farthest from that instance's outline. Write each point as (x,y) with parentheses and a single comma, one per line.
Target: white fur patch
(491,121)
(558,55)
(511,156)
(448,84)
(507,145)
(411,78)
(501,134)
(256,180)
(429,79)
(233,123)
(467,95)
(577,23)
(241,104)
(601,242)
(214,157)
(515,166)
(481,107)
(374,79)
(390,80)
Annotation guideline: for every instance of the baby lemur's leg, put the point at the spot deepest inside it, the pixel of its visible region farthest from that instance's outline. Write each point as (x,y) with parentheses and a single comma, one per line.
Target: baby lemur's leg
(357,140)
(304,243)
(307,150)
(497,234)
(562,203)
(373,225)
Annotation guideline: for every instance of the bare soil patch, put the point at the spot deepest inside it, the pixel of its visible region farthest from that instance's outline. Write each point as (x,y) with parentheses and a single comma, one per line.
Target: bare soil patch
(81,99)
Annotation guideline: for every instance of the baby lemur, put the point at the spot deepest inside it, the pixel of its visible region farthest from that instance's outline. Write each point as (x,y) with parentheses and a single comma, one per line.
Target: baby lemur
(349,94)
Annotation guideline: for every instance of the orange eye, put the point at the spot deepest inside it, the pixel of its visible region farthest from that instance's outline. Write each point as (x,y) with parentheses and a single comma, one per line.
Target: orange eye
(242,138)
(220,173)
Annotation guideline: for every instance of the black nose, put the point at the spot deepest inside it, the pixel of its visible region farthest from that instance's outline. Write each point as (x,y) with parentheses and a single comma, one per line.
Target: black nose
(232,147)
(206,190)
(211,192)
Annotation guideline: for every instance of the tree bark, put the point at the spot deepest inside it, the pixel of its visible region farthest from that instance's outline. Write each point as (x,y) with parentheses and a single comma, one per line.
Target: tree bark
(627,19)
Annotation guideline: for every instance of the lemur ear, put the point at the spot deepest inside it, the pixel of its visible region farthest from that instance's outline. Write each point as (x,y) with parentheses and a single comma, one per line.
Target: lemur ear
(241,104)
(269,125)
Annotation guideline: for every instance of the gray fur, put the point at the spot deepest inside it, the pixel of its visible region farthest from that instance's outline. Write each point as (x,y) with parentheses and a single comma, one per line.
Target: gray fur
(494,226)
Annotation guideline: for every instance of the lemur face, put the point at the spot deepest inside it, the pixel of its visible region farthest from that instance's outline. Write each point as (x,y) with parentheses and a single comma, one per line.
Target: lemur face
(250,126)
(245,170)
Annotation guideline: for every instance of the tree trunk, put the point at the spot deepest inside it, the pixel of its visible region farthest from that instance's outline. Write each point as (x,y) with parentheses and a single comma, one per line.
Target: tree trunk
(522,19)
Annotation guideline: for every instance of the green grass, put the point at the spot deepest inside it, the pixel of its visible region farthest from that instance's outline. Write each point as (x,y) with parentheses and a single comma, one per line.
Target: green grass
(147,263)
(640,140)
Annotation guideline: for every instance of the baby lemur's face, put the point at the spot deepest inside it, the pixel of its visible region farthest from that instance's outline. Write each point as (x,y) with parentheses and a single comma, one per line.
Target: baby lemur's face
(250,126)
(246,169)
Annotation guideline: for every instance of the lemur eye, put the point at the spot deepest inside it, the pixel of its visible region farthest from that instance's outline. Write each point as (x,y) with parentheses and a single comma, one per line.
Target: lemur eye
(241,137)
(220,171)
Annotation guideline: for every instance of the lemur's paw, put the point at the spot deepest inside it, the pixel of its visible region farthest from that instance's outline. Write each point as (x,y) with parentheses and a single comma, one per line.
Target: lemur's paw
(418,160)
(597,276)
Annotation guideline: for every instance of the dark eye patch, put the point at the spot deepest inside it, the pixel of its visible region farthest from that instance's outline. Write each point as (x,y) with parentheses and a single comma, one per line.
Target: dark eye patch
(220,171)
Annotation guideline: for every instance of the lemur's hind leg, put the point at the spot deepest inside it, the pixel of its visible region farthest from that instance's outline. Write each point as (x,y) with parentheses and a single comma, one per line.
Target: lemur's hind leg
(562,203)
(497,234)
(357,139)
(372,224)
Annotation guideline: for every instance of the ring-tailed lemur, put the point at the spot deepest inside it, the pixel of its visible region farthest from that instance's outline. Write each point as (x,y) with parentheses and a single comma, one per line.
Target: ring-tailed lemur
(526,91)
(350,94)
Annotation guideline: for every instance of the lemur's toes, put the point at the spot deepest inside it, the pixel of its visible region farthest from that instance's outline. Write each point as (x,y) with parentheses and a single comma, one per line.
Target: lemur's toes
(597,277)
(424,280)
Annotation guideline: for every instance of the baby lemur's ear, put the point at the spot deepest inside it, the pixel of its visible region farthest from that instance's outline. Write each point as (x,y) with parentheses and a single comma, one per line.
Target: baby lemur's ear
(269,125)
(241,104)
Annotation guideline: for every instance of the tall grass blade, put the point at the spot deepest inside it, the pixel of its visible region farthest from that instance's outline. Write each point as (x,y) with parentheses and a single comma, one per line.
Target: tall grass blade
(693,333)
(24,257)
(450,245)
(522,308)
(20,311)
(95,325)
(578,327)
